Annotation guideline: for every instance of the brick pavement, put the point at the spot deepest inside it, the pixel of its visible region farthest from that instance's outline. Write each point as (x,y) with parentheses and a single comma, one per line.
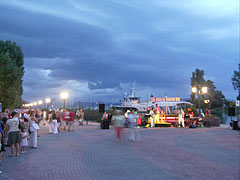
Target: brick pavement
(91,153)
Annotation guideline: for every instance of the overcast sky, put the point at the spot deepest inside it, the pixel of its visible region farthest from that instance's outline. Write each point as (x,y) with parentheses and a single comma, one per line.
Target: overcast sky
(97,48)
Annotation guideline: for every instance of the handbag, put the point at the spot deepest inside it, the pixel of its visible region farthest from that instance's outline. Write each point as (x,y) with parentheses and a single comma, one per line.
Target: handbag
(35,126)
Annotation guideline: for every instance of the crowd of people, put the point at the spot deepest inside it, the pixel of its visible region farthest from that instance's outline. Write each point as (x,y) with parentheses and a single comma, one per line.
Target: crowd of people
(19,128)
(120,121)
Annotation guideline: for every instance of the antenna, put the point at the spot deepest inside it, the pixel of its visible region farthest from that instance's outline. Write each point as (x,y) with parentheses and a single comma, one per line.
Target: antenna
(133,89)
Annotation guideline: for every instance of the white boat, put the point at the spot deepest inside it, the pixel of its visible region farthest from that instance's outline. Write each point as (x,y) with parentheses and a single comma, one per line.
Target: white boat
(168,104)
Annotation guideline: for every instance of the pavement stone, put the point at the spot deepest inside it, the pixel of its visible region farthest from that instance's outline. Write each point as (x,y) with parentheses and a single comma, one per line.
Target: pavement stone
(162,153)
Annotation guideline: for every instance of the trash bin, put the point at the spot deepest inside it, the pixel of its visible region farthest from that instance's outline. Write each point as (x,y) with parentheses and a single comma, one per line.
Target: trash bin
(104,124)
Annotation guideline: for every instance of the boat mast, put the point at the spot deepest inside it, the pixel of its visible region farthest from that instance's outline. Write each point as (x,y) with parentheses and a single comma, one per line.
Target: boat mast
(133,89)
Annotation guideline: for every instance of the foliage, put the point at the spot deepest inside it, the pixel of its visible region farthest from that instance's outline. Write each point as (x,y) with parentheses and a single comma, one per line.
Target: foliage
(215,97)
(197,81)
(11,73)
(236,81)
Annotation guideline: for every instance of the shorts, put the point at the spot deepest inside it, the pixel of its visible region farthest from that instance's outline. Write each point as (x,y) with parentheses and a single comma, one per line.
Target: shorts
(14,137)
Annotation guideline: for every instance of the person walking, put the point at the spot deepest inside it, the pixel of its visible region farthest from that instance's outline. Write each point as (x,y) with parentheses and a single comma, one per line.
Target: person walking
(134,133)
(118,121)
(14,136)
(33,130)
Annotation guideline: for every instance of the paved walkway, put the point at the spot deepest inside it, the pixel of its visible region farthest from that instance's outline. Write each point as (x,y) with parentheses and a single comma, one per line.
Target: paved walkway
(166,153)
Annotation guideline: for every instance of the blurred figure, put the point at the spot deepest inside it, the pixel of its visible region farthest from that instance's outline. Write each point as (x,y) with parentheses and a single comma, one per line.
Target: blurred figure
(58,121)
(181,118)
(44,114)
(38,117)
(71,121)
(105,116)
(1,137)
(109,117)
(132,117)
(3,122)
(8,112)
(80,117)
(25,119)
(157,109)
(66,117)
(118,121)
(50,122)
(151,113)
(61,118)
(238,118)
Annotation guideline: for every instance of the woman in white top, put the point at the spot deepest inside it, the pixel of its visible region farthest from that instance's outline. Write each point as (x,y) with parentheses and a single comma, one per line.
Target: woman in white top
(14,137)
(33,130)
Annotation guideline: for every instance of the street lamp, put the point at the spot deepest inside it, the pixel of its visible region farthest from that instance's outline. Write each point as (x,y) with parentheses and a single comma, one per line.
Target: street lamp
(64,95)
(200,91)
(47,100)
(40,103)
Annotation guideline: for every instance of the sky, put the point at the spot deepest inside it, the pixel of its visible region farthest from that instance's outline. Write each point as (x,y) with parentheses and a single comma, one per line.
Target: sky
(98,48)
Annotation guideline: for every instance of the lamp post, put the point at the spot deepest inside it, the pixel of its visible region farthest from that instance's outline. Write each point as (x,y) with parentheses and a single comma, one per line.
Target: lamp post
(200,91)
(40,103)
(47,100)
(64,95)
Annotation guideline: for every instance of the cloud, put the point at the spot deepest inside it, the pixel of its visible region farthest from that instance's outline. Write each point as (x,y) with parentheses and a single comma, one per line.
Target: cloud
(206,8)
(100,47)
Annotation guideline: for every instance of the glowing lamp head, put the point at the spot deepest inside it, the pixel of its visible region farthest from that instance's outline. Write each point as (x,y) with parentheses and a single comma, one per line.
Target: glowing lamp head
(47,100)
(194,89)
(64,95)
(204,90)
(35,103)
(206,101)
(40,102)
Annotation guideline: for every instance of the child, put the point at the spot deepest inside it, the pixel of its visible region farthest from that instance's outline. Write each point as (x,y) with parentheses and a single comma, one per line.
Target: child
(24,142)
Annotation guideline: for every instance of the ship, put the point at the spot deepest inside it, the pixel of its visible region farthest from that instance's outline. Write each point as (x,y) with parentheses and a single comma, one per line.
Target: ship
(170,105)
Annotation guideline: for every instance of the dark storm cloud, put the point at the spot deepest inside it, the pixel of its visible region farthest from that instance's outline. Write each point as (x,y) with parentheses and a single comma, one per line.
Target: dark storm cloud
(50,36)
(109,43)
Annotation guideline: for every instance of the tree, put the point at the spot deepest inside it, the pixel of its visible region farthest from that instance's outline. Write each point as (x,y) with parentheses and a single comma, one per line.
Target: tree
(236,81)
(197,80)
(11,73)
(215,97)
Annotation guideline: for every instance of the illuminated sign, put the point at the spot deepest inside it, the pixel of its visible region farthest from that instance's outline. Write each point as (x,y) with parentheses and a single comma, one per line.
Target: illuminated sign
(165,99)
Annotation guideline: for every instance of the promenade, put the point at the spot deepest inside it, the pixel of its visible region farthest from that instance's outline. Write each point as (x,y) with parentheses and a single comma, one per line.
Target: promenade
(163,153)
